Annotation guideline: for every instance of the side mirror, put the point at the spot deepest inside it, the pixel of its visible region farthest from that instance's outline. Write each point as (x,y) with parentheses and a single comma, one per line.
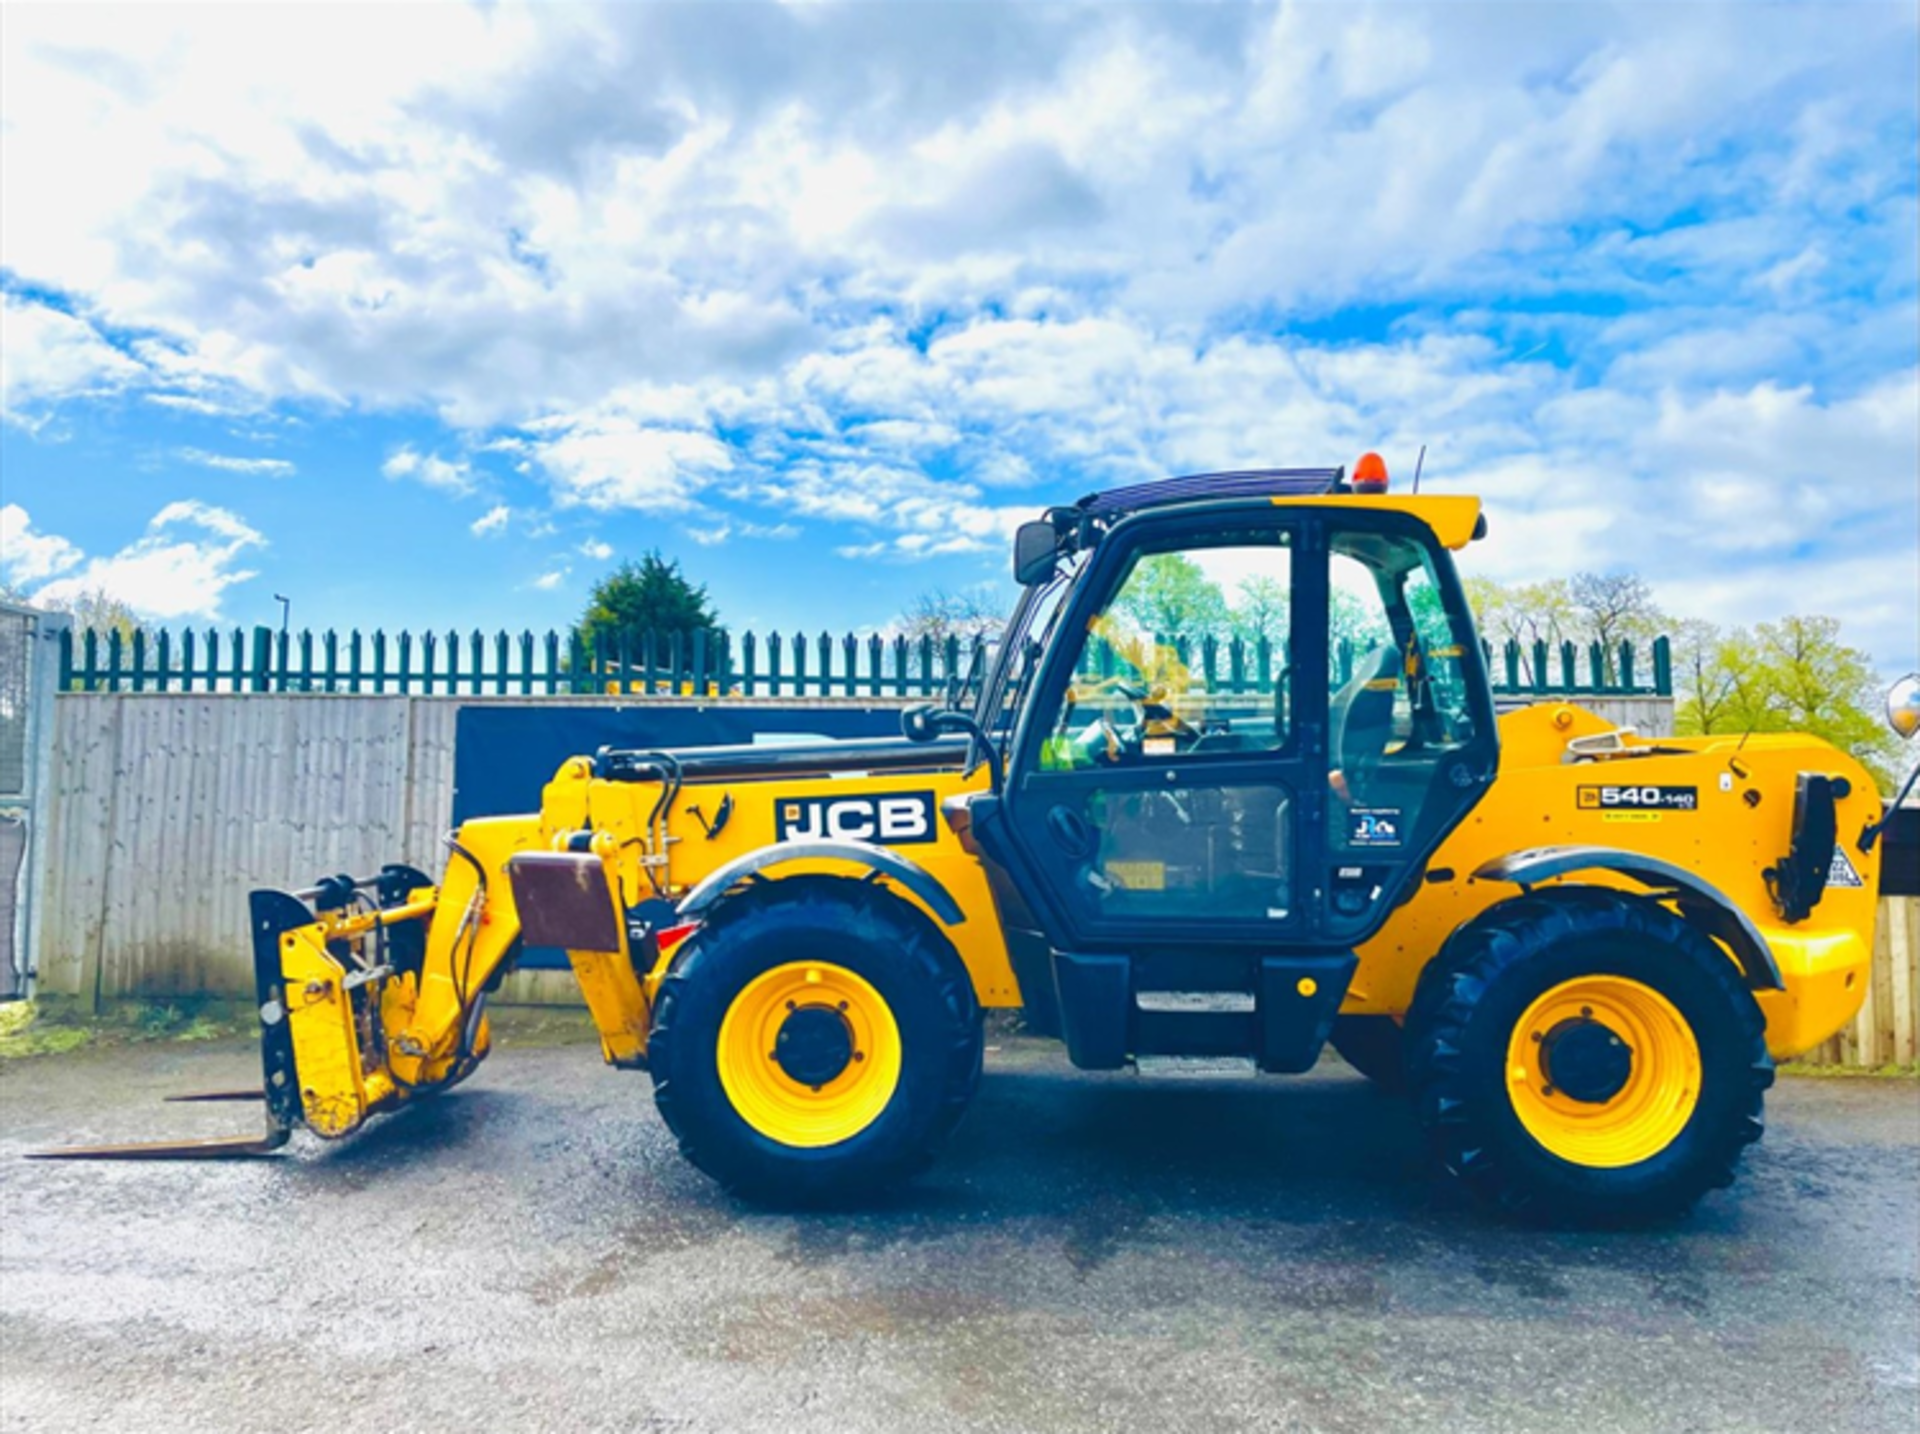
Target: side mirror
(1903,715)
(1903,706)
(1036,553)
(917,725)
(927,722)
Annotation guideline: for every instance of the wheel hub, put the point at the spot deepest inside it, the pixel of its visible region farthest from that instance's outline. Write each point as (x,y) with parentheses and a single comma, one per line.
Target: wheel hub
(1585,1061)
(814,1045)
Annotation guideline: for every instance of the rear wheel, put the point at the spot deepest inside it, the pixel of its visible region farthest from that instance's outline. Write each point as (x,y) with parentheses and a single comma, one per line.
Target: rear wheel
(817,1042)
(1584,1056)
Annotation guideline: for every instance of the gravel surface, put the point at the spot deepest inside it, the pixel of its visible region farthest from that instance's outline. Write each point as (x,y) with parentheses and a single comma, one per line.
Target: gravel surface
(1094,1253)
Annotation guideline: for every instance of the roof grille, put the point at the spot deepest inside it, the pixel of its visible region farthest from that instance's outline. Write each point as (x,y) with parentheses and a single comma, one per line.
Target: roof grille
(1247,483)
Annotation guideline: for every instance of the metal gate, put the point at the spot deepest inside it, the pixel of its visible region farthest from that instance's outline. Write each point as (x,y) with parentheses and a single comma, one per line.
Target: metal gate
(29,671)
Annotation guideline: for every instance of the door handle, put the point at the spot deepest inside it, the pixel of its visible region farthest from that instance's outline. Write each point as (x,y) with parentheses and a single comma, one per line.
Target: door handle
(1070,831)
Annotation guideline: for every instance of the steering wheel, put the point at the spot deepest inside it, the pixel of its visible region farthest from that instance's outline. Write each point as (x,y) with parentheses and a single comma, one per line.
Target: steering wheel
(1103,741)
(1125,742)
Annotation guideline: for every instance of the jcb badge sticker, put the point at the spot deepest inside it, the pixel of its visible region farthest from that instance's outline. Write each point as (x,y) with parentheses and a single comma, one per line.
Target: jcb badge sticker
(1639,799)
(1374,826)
(898,819)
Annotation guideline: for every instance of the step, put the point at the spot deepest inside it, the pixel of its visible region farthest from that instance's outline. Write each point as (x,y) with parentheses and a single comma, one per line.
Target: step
(1223,1003)
(1196,1067)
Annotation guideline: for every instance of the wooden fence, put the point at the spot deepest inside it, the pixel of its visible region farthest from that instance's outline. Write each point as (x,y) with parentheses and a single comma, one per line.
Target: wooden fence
(1888,1026)
(716,663)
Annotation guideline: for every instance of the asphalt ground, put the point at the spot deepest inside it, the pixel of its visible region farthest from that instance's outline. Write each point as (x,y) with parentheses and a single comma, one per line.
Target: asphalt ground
(1093,1253)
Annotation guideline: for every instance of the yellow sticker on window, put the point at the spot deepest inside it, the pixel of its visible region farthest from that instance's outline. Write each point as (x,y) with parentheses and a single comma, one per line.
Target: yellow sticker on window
(1138,875)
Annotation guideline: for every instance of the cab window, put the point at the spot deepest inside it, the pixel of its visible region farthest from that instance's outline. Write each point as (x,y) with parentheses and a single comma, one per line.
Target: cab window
(1188,656)
(1397,687)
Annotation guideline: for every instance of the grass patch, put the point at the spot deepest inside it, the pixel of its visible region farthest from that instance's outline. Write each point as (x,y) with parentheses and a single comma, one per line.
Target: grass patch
(52,1028)
(1893,1070)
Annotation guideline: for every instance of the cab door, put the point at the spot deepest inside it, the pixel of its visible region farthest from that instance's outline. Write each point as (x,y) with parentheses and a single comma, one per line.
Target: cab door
(1232,741)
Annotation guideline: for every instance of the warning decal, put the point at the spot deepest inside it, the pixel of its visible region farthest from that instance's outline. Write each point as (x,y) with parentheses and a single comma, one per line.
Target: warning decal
(1841,872)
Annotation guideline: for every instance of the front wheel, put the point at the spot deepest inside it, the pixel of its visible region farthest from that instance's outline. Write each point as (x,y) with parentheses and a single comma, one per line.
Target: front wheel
(1584,1056)
(817,1043)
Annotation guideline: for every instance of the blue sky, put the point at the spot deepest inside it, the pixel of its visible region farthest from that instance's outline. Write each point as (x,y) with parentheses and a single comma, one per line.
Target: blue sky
(427,315)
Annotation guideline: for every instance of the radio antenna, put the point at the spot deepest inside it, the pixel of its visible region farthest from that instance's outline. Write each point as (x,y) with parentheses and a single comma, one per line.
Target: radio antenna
(1418,464)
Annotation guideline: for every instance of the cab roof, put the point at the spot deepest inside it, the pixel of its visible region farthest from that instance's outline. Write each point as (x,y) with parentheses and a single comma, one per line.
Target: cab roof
(1454,519)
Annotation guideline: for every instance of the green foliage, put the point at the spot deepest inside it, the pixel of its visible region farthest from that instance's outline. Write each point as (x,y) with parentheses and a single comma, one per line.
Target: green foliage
(1794,675)
(1607,608)
(1261,610)
(1168,595)
(650,595)
(39,1028)
(95,608)
(1353,620)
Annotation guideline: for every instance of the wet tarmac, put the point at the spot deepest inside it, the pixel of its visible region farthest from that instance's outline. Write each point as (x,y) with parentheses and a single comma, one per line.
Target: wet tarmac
(1094,1253)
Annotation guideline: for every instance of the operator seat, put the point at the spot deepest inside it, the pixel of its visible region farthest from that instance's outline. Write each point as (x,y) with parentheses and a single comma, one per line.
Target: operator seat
(1361,718)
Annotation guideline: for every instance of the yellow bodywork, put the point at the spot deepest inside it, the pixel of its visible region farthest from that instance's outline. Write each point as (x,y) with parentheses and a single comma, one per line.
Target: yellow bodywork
(427,1035)
(1742,826)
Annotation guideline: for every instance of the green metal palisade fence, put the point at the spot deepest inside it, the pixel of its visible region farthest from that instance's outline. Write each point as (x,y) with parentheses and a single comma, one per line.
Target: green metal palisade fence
(714,663)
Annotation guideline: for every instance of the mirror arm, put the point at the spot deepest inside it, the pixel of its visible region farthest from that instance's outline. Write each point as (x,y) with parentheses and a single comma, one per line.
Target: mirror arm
(1872,833)
(926,722)
(980,744)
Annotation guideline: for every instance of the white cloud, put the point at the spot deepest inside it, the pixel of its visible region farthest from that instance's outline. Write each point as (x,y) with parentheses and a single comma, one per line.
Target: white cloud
(492,522)
(597,550)
(615,462)
(910,271)
(431,469)
(490,213)
(773,532)
(264,467)
(47,357)
(180,567)
(710,537)
(27,557)
(548,581)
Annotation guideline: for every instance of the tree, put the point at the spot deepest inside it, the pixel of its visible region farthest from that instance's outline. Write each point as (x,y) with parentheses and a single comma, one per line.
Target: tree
(1359,624)
(1794,675)
(1707,678)
(1167,595)
(652,595)
(1261,611)
(938,614)
(95,609)
(1611,607)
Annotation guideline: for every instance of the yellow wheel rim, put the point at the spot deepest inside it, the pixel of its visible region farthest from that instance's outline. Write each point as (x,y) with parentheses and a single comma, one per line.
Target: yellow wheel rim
(1639,1072)
(819,1006)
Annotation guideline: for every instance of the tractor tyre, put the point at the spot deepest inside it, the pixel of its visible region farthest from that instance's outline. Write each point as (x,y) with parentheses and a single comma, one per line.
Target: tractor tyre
(1583,1056)
(1375,1046)
(815,1043)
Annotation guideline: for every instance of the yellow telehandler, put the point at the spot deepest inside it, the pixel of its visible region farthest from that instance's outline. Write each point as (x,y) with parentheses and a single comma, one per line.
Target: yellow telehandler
(1578,950)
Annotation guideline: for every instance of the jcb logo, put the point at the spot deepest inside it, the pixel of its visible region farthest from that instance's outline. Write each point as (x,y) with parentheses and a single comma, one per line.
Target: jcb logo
(897,820)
